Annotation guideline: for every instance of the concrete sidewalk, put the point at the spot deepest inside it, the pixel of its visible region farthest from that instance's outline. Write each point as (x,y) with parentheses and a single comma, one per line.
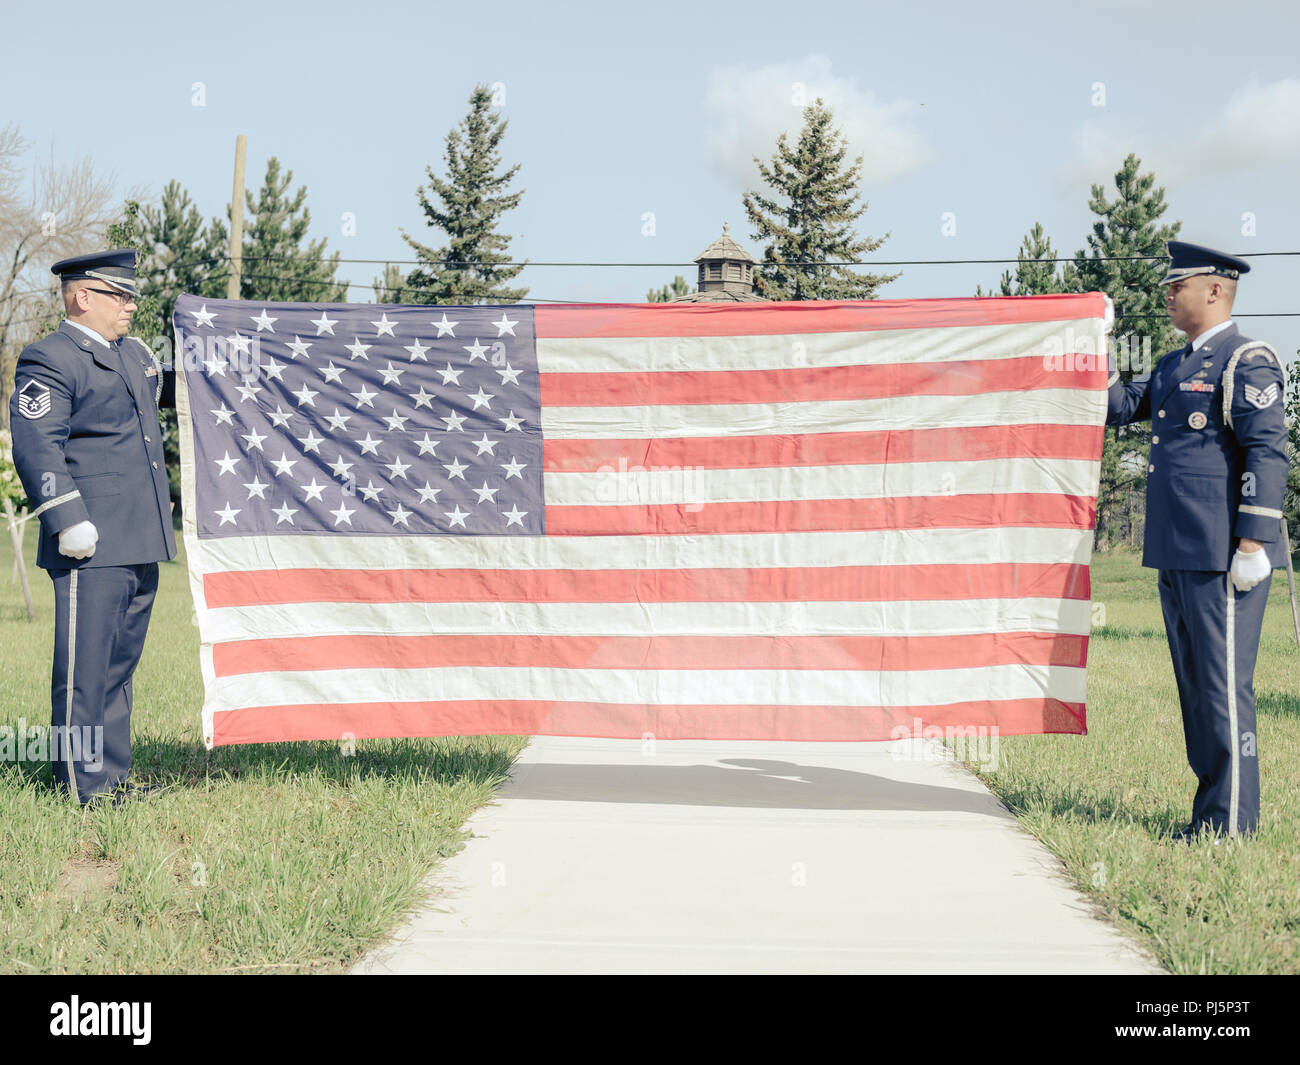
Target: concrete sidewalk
(732,857)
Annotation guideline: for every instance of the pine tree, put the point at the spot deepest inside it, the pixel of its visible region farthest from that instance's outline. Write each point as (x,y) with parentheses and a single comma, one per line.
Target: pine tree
(809,223)
(1125,258)
(391,288)
(472,266)
(670,292)
(180,253)
(277,264)
(1037,272)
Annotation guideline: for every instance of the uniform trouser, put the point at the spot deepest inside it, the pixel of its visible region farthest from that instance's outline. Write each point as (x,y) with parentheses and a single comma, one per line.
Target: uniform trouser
(101,615)
(1213,634)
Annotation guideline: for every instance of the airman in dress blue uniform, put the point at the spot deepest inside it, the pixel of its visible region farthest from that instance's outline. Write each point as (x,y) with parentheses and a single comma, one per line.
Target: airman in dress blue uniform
(1215,483)
(87,445)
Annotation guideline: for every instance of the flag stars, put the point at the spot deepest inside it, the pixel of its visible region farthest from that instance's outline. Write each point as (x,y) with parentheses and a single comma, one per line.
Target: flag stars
(371,490)
(512,422)
(514,516)
(311,442)
(313,491)
(454,422)
(324,324)
(343,513)
(284,464)
(215,367)
(253,439)
(331,373)
(358,349)
(280,416)
(392,375)
(455,468)
(274,370)
(484,444)
(383,326)
(428,494)
(263,321)
(298,348)
(227,515)
(226,463)
(426,445)
(450,376)
(257,488)
(223,415)
(306,397)
(337,421)
(445,327)
(510,376)
(400,515)
(486,494)
(482,399)
(203,317)
(457,516)
(397,468)
(369,446)
(396,423)
(506,325)
(284,513)
(513,468)
(417,351)
(476,351)
(364,398)
(422,398)
(239,342)
(247,392)
(340,468)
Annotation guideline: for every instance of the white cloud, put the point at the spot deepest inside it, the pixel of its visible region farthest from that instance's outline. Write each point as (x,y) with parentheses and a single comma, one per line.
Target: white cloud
(748,107)
(1258,126)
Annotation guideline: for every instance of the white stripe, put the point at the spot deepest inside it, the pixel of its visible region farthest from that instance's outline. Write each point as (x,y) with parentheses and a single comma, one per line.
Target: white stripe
(883,547)
(67,497)
(1050,406)
(72,668)
(729,687)
(1234,793)
(786,350)
(1264,512)
(876,481)
(851,618)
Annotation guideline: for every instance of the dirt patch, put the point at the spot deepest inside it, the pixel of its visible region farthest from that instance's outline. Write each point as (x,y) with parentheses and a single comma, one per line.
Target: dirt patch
(82,877)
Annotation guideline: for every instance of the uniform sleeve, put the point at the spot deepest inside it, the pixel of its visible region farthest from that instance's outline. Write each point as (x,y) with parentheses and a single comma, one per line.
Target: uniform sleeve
(1256,403)
(39,412)
(1128,401)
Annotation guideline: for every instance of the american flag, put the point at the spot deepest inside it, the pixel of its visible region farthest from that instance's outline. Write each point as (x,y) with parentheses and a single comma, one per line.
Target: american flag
(800,521)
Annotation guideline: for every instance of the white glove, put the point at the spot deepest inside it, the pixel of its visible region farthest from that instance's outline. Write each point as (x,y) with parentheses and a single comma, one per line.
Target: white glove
(1249,569)
(78,541)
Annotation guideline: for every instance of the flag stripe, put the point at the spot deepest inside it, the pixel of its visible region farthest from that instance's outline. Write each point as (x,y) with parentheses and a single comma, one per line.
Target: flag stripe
(694,721)
(827,449)
(711,319)
(1055,405)
(875,481)
(959,617)
(956,511)
(658,652)
(733,585)
(816,384)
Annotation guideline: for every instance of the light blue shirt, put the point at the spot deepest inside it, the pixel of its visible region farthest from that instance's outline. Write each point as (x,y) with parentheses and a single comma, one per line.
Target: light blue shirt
(1209,333)
(88,331)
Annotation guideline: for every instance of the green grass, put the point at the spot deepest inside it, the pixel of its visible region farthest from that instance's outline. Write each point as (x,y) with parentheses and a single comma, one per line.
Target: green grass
(263,858)
(1105,803)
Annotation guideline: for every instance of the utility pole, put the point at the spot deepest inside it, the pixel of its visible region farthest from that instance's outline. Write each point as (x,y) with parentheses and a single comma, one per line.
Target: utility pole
(237,222)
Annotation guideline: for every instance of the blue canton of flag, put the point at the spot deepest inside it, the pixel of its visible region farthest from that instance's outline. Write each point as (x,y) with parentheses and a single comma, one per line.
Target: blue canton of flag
(365,419)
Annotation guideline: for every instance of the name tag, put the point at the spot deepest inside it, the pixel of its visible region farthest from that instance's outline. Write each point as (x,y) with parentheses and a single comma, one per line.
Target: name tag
(1196,386)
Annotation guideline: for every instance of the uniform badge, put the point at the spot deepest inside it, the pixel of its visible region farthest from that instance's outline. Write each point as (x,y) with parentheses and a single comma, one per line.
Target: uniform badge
(1197,420)
(1196,386)
(34,400)
(1262,397)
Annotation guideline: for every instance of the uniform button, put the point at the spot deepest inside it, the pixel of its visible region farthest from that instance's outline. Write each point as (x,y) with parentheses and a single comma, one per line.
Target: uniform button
(1154,439)
(1150,469)
(1161,414)
(148,439)
(155,466)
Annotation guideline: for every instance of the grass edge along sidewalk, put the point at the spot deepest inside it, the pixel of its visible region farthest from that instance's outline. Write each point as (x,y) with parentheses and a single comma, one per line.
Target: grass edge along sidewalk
(267,858)
(1106,803)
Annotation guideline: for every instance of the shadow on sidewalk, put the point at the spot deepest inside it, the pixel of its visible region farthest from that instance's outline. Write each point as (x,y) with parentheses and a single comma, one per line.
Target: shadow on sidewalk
(751,783)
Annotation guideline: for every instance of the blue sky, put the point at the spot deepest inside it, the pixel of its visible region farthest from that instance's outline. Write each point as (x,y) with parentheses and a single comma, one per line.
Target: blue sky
(998,114)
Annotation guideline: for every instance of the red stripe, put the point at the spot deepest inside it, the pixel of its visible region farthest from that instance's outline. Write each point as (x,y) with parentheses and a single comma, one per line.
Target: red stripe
(822,383)
(827,449)
(825,515)
(271,724)
(810,316)
(642,652)
(721,585)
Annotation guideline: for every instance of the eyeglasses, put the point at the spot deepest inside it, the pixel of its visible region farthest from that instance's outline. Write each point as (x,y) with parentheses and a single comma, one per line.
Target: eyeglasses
(123,298)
